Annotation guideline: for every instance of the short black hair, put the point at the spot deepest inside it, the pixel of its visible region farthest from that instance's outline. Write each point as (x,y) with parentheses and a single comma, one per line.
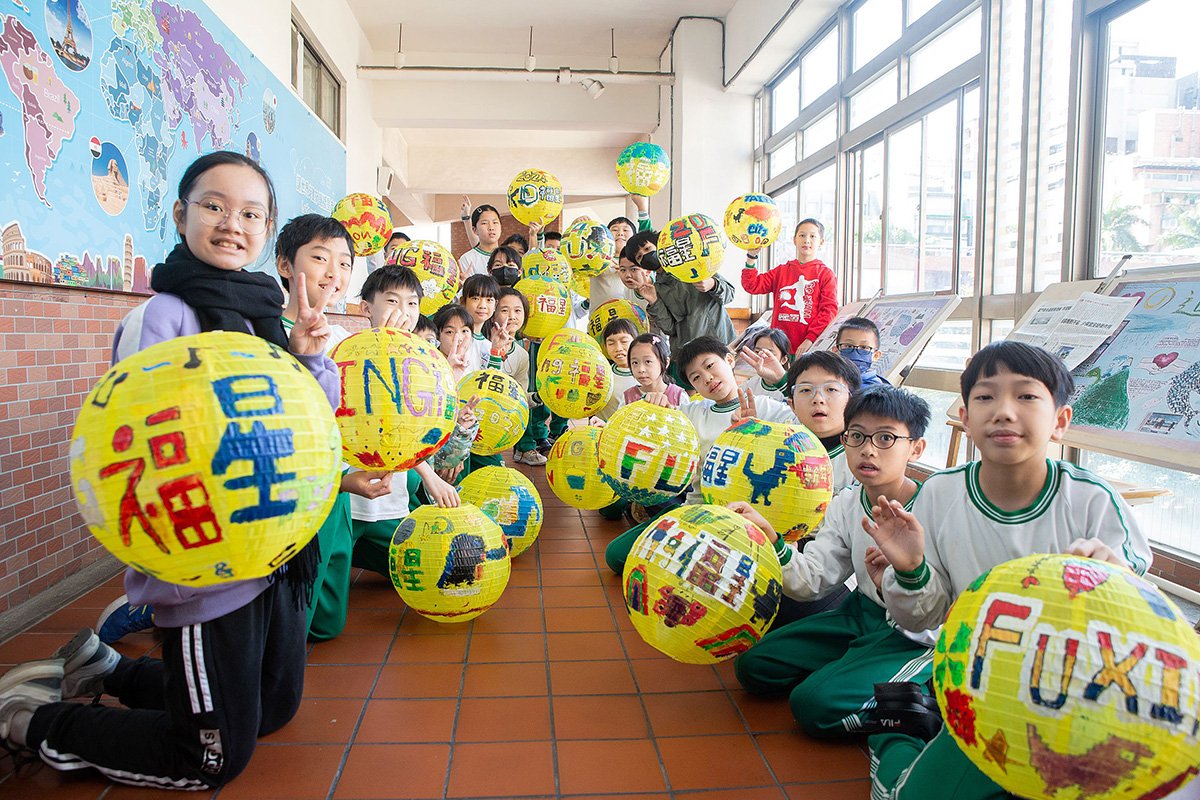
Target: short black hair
(700,346)
(890,402)
(777,337)
(833,363)
(398,235)
(516,238)
(480,286)
(622,220)
(512,255)
(810,221)
(506,291)
(619,325)
(448,312)
(424,323)
(548,235)
(478,212)
(635,243)
(390,278)
(1020,359)
(306,228)
(858,324)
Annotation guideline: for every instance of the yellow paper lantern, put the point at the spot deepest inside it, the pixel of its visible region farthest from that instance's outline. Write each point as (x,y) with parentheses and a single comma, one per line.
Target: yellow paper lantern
(781,469)
(616,309)
(368,221)
(449,564)
(546,263)
(502,411)
(690,248)
(559,337)
(510,500)
(205,459)
(535,196)
(589,248)
(643,168)
(751,221)
(549,306)
(581,285)
(573,470)
(398,399)
(573,379)
(649,454)
(435,268)
(702,584)
(1063,677)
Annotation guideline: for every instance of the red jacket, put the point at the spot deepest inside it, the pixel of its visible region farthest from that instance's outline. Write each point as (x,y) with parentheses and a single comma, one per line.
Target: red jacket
(804,297)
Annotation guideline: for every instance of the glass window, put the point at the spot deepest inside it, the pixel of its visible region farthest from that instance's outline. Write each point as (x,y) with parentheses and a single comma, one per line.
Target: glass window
(1010,135)
(312,80)
(949,348)
(869,216)
(782,158)
(819,134)
(784,249)
(818,199)
(937,435)
(1052,142)
(315,82)
(903,215)
(968,194)
(874,26)
(1169,521)
(918,9)
(878,95)
(785,100)
(937,199)
(819,68)
(948,50)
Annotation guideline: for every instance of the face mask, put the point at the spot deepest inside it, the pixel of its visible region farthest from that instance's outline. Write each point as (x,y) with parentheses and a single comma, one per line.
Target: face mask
(865,361)
(650,261)
(507,276)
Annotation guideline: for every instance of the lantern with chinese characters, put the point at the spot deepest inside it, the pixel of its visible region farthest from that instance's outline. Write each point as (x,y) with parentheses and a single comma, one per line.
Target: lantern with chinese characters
(546,263)
(1061,676)
(589,248)
(367,220)
(398,399)
(781,469)
(549,306)
(502,411)
(559,337)
(690,248)
(535,196)
(649,454)
(643,168)
(205,459)
(752,221)
(573,379)
(510,500)
(702,584)
(573,470)
(616,309)
(435,268)
(449,564)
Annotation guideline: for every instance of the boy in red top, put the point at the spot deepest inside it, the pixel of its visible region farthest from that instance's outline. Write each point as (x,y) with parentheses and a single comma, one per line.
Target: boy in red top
(804,290)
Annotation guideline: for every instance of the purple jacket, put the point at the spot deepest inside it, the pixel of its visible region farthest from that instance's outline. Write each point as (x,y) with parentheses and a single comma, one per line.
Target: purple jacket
(163,317)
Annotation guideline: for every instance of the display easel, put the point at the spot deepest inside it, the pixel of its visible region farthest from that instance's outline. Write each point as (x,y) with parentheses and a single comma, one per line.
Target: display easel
(907,323)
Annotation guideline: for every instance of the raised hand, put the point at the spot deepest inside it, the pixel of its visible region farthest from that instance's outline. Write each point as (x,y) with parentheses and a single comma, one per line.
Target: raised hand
(641,203)
(876,562)
(393,318)
(467,207)
(751,515)
(766,364)
(747,408)
(898,534)
(466,412)
(501,338)
(311,332)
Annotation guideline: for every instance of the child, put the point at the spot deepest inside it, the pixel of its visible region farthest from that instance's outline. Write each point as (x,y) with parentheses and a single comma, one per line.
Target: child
(518,243)
(819,385)
(633,278)
(608,284)
(1013,502)
(426,330)
(804,290)
(618,334)
(395,242)
(233,653)
(391,298)
(649,358)
(479,294)
(512,308)
(504,265)
(769,354)
(858,341)
(551,239)
(485,225)
(828,663)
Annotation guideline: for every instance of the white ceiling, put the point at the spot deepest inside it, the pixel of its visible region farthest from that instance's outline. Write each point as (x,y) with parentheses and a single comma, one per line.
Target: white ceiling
(515,139)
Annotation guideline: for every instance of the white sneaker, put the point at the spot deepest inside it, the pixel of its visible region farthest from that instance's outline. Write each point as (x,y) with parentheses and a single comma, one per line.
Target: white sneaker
(533,458)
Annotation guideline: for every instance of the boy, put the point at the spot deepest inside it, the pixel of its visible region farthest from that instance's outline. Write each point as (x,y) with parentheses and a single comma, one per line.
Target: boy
(426,330)
(395,242)
(1013,502)
(617,336)
(485,225)
(608,284)
(858,341)
(804,290)
(828,663)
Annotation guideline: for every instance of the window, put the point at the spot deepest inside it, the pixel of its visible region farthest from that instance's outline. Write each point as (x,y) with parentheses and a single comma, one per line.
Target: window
(316,83)
(868,219)
(947,51)
(819,69)
(782,158)
(785,100)
(784,249)
(1052,142)
(1009,139)
(918,9)
(876,96)
(903,210)
(818,199)
(875,25)
(819,134)
(968,194)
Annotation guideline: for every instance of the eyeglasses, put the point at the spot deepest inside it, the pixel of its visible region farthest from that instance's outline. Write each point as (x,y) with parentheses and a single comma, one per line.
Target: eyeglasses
(854,348)
(881,439)
(830,390)
(252,221)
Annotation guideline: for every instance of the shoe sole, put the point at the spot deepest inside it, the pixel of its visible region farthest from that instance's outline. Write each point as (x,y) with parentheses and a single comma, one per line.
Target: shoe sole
(48,669)
(79,650)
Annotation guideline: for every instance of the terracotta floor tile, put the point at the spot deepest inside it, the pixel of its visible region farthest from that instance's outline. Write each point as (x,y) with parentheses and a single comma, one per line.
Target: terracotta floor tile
(43,782)
(792,755)
(320,721)
(765,714)
(552,561)
(511,647)
(764,793)
(518,769)
(509,620)
(505,680)
(100,597)
(500,719)
(611,716)
(692,714)
(351,650)
(635,645)
(526,561)
(569,577)
(519,597)
(118,791)
(67,620)
(523,579)
(428,649)
(372,621)
(713,762)
(287,772)
(414,624)
(590,677)
(376,596)
(585,646)
(419,680)
(609,766)
(31,646)
(386,771)
(563,545)
(664,675)
(842,790)
(340,680)
(574,597)
(401,721)
(579,620)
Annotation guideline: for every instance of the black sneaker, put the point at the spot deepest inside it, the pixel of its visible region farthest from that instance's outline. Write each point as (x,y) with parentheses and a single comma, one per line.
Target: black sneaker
(543,446)
(905,708)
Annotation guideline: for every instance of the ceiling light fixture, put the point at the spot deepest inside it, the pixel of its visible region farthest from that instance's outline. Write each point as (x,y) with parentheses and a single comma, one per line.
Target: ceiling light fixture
(613,63)
(594,88)
(530,61)
(399,60)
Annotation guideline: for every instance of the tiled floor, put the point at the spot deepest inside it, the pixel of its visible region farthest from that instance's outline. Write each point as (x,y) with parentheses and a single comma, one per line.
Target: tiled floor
(549,694)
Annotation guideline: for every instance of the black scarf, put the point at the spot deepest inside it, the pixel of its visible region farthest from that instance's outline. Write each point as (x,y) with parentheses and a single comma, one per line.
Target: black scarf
(226,301)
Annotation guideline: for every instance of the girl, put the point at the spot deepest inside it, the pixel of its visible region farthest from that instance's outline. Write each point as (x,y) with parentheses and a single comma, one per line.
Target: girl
(233,654)
(769,355)
(453,324)
(617,336)
(504,265)
(479,294)
(504,329)
(649,357)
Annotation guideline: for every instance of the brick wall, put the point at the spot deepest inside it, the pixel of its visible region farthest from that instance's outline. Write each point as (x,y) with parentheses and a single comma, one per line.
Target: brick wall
(508,226)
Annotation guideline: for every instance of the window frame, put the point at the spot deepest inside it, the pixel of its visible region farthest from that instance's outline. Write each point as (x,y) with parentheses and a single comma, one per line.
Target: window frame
(304,43)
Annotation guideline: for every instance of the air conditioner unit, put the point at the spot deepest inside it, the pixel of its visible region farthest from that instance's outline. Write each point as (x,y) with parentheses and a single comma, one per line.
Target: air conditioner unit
(384,177)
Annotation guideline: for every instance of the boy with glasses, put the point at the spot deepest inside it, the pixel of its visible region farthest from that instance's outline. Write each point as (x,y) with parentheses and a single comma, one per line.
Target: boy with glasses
(857,341)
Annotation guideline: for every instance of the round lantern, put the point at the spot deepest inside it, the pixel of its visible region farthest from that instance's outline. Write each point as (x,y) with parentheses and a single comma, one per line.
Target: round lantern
(205,459)
(589,248)
(510,500)
(535,196)
(546,263)
(690,248)
(573,379)
(1062,676)
(616,309)
(559,337)
(643,169)
(751,221)
(368,221)
(581,285)
(781,469)
(449,564)
(549,306)
(702,584)
(573,470)
(435,268)
(398,402)
(502,411)
(649,454)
